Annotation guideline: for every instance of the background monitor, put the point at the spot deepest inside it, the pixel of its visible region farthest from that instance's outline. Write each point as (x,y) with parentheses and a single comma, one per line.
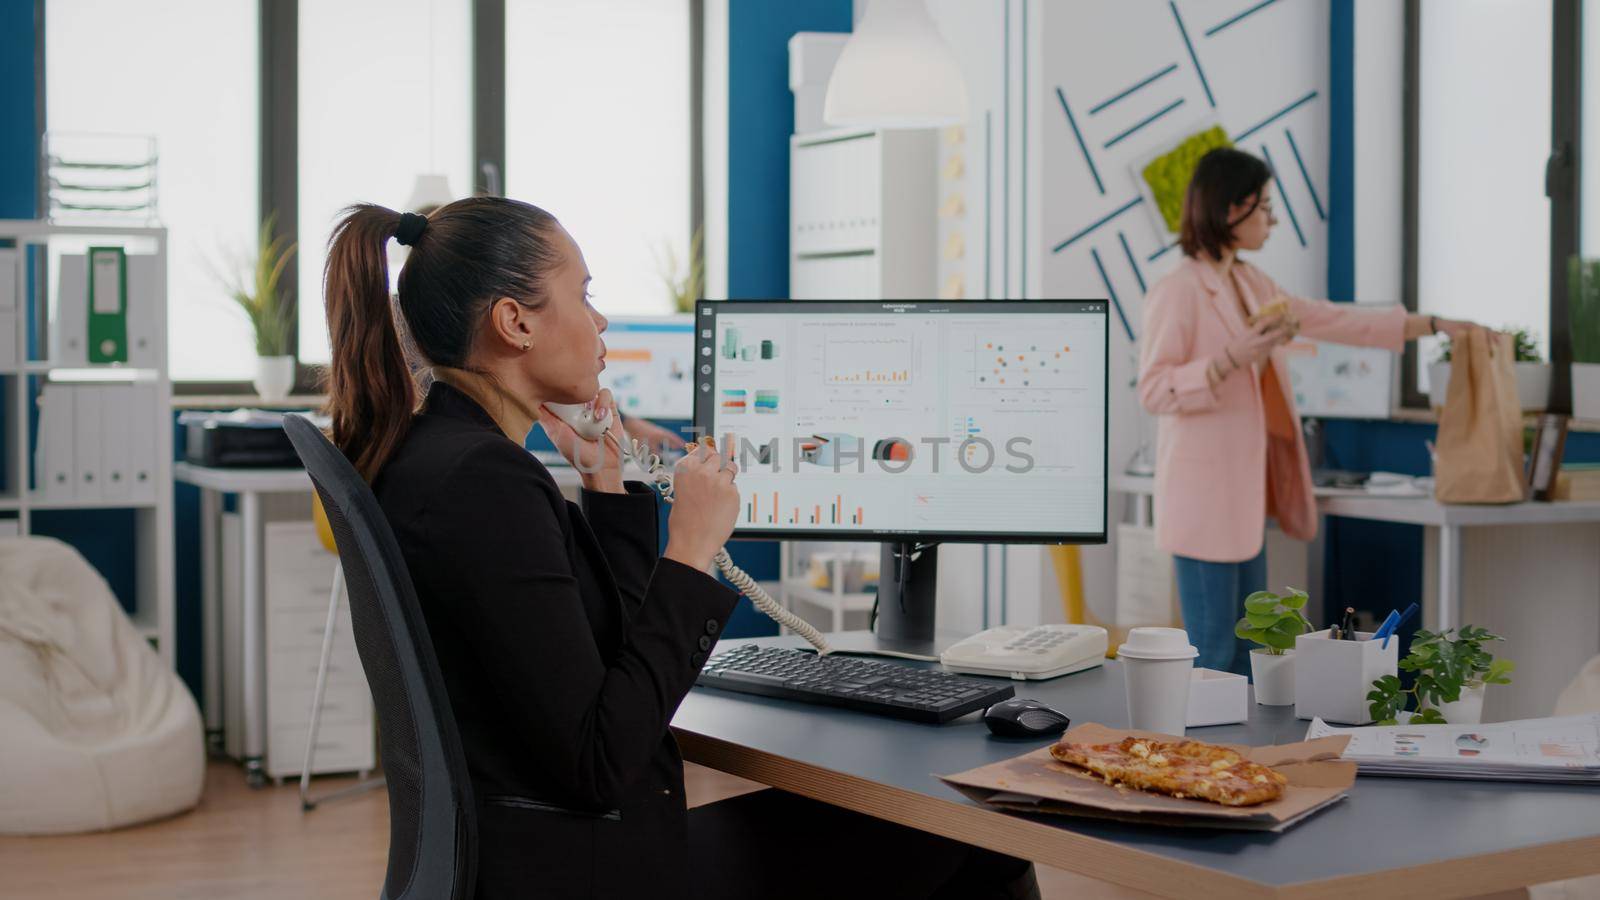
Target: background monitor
(1334,381)
(649,365)
(899,421)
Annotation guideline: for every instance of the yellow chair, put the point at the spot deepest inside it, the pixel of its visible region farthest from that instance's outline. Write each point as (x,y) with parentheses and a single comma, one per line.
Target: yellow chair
(1068,561)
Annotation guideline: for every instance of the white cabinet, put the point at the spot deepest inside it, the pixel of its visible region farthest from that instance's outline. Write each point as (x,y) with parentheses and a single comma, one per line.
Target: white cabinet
(299,580)
(300,576)
(862,223)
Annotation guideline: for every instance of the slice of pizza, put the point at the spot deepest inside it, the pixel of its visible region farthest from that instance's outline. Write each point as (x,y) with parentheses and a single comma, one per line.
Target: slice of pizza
(1178,768)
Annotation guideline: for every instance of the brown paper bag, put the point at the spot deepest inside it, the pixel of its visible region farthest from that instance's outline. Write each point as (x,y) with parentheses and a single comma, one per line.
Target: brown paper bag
(1480,428)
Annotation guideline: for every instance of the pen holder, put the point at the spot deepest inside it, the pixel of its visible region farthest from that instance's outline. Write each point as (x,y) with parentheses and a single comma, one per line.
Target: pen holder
(1332,677)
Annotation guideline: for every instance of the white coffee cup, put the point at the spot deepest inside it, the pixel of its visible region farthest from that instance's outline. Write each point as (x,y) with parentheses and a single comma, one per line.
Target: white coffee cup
(1157,663)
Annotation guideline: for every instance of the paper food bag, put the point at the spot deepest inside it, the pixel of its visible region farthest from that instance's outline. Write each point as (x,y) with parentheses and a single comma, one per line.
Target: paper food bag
(1480,428)
(1036,783)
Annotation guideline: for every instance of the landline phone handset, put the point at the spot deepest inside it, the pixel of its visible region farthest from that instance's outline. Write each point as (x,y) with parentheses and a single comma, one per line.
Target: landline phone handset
(583,419)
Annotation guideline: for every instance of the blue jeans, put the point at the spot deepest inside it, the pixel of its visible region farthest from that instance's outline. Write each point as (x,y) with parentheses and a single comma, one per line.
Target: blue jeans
(1212,596)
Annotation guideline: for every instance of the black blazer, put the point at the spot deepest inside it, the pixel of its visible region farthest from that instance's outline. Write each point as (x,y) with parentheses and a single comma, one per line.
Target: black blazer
(566,644)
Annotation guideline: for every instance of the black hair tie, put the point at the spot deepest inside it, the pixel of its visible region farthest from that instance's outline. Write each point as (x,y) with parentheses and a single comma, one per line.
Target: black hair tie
(410,228)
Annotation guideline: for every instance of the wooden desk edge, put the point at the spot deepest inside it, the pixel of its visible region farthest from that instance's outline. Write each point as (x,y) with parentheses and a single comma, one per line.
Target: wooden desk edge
(1139,869)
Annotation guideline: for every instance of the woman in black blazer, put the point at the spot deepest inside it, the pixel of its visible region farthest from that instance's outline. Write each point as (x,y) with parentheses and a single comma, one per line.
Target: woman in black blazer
(565,641)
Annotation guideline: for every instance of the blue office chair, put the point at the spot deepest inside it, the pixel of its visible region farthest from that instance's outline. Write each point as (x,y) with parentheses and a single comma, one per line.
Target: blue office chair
(433,829)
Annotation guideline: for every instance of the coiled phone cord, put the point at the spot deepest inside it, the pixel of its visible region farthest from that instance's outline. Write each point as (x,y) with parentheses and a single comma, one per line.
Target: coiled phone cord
(650,461)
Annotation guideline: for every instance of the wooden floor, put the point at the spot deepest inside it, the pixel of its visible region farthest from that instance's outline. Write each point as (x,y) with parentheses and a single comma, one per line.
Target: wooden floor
(241,843)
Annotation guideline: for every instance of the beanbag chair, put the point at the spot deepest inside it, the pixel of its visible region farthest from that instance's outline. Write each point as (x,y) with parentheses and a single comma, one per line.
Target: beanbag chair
(95,731)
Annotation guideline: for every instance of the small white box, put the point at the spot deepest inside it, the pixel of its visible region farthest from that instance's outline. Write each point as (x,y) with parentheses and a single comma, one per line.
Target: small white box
(1217,698)
(1332,678)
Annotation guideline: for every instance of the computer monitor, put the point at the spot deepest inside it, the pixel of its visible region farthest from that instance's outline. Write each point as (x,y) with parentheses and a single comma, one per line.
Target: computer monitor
(649,365)
(911,423)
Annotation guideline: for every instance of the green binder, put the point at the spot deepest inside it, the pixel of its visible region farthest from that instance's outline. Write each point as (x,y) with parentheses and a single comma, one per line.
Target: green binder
(108,305)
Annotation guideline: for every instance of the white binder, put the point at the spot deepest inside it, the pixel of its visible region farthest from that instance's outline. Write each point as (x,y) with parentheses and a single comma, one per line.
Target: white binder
(115,432)
(144,291)
(69,328)
(87,440)
(55,468)
(8,338)
(142,424)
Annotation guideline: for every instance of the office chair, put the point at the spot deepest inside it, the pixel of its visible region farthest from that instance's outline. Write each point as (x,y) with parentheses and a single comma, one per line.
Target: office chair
(432,818)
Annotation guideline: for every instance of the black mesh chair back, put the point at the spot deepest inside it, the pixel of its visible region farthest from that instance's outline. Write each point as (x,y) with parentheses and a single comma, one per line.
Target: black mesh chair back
(432,819)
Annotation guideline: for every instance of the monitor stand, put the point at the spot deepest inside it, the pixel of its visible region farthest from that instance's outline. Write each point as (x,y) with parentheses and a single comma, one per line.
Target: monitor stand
(907,588)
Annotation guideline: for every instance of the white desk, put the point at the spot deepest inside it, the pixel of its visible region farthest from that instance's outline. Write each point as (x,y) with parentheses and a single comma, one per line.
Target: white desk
(1449,518)
(249,485)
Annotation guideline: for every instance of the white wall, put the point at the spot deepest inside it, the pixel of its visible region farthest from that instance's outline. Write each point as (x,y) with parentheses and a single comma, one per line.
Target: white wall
(1379,149)
(714,133)
(1093,50)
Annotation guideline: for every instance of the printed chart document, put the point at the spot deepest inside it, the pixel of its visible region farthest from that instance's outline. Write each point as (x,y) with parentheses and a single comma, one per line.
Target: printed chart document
(1565,749)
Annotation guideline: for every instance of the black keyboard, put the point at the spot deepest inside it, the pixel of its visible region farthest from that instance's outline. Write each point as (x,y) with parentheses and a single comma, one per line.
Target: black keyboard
(885,689)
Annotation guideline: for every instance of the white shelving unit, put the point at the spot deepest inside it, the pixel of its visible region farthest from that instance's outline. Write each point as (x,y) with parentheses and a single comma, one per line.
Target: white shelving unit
(152,548)
(794,586)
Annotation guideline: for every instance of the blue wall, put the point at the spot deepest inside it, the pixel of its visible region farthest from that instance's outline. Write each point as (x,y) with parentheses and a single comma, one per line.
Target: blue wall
(18,152)
(760,121)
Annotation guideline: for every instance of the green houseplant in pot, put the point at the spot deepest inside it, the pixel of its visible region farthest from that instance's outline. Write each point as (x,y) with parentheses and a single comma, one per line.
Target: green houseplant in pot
(686,286)
(1273,621)
(1533,373)
(1583,310)
(1452,674)
(256,287)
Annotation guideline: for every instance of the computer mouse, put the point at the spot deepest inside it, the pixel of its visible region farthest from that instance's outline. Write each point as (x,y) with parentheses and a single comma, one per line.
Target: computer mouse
(1019,717)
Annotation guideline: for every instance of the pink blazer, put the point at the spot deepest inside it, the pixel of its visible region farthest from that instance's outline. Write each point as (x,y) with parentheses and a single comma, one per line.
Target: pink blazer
(1218,472)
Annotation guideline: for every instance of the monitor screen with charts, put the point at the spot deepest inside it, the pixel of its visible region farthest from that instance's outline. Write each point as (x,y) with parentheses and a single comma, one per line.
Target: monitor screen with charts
(647,365)
(888,420)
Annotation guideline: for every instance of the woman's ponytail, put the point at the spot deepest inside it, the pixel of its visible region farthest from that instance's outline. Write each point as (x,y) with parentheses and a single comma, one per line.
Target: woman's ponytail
(464,256)
(371,394)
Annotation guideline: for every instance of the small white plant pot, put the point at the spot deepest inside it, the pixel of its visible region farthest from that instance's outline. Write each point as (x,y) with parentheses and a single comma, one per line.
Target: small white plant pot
(1438,382)
(1466,711)
(1273,677)
(1533,385)
(274,377)
(1586,390)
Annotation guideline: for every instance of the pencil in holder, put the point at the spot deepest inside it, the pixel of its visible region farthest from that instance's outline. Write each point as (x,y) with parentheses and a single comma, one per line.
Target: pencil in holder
(1332,677)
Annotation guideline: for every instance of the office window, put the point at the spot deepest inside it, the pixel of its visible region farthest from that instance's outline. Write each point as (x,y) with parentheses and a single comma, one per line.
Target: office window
(597,132)
(385,96)
(186,72)
(1483,241)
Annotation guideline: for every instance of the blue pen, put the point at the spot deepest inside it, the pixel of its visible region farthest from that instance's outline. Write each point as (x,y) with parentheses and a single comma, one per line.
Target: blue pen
(1387,628)
(1405,616)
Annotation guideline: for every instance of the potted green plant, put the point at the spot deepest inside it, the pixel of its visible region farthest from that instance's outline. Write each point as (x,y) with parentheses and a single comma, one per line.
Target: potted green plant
(256,287)
(1273,621)
(1533,373)
(685,287)
(1583,311)
(1452,674)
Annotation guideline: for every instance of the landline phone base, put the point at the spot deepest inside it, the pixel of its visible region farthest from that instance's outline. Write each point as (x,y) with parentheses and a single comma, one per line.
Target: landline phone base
(1029,652)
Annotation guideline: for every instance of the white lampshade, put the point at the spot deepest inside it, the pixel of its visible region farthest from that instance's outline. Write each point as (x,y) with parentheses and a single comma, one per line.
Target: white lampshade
(429,190)
(896,71)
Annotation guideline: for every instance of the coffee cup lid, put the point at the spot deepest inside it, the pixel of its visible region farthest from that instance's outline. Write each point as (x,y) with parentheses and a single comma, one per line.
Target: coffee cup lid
(1157,643)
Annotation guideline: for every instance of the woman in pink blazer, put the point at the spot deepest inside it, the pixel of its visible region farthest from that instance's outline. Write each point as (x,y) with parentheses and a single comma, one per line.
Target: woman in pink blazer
(1212,368)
